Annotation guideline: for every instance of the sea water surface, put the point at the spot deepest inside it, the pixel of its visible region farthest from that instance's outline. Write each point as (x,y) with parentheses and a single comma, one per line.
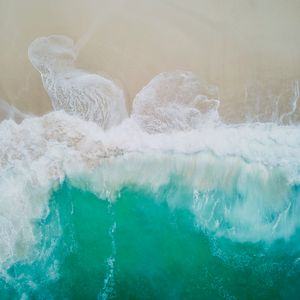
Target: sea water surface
(184,187)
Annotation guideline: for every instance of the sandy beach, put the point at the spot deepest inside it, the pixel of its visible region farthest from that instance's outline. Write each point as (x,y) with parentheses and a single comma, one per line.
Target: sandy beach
(249,49)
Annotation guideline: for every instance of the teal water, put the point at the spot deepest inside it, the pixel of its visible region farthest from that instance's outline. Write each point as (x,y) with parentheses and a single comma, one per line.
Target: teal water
(138,247)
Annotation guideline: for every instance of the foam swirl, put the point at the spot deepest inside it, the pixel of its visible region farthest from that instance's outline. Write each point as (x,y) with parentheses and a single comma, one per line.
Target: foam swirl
(89,96)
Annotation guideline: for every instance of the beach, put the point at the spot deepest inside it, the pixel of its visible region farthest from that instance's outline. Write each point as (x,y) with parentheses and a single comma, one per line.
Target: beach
(248,49)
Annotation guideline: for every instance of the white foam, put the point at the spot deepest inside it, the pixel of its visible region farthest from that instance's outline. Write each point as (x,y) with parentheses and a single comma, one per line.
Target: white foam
(294,101)
(261,161)
(268,102)
(78,92)
(176,101)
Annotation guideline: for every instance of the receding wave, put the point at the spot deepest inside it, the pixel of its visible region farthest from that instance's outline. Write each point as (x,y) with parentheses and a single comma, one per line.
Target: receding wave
(90,96)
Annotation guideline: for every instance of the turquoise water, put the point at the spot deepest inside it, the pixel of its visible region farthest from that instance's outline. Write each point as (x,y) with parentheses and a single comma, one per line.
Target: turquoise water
(139,247)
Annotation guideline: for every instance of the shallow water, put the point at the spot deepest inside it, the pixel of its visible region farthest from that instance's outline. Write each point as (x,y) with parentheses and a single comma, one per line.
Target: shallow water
(141,247)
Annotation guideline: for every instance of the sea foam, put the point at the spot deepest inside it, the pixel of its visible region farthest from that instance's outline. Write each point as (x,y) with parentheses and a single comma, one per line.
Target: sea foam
(242,180)
(90,96)
(256,166)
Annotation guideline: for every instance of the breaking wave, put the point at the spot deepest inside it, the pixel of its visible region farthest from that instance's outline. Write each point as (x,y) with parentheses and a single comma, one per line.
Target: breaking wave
(241,181)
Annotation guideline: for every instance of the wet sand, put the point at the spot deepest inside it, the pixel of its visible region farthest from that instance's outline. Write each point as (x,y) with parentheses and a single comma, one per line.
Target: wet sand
(249,49)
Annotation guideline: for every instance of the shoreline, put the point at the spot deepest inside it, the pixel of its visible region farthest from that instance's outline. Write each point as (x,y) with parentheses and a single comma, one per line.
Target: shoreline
(230,46)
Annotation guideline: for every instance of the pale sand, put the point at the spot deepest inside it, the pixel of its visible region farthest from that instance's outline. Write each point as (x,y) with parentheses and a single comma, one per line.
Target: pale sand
(228,43)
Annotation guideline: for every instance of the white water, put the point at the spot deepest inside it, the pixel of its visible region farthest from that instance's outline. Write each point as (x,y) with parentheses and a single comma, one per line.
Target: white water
(174,129)
(40,152)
